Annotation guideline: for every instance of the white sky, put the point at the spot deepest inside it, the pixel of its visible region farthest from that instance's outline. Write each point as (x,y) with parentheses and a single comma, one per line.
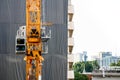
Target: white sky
(97,26)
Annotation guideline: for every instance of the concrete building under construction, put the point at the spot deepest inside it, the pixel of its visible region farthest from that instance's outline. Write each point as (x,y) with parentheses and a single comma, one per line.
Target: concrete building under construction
(12,16)
(70,73)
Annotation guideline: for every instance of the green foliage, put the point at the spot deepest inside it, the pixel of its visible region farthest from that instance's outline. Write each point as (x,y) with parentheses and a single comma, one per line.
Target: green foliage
(118,64)
(80,76)
(78,67)
(96,66)
(115,64)
(88,67)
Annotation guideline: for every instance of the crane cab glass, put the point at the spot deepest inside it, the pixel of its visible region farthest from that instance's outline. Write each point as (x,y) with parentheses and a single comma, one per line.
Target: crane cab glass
(20,41)
(20,47)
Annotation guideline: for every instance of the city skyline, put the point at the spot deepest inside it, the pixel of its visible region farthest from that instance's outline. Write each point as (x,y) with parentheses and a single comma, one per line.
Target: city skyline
(97,25)
(80,56)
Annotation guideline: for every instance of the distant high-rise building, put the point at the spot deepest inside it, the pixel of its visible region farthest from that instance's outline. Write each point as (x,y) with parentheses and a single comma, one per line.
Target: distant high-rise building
(81,57)
(103,55)
(105,59)
(108,60)
(85,55)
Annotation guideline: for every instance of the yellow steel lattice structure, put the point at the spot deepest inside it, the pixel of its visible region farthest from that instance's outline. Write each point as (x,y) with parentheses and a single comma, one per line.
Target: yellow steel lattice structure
(33,40)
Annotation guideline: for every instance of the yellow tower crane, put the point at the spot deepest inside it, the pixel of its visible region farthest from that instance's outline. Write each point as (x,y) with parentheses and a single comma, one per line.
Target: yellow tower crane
(33,40)
(30,40)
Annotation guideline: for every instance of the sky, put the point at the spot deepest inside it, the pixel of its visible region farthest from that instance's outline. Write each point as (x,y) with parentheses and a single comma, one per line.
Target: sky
(96,26)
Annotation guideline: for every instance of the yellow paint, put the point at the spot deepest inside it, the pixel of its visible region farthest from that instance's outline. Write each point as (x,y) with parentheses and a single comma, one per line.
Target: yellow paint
(33,40)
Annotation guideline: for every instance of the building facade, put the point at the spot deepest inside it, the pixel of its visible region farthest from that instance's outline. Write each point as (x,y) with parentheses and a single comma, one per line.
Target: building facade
(102,55)
(105,59)
(70,73)
(108,60)
(12,16)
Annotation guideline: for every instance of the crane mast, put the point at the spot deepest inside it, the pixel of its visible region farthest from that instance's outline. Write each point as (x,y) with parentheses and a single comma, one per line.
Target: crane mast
(33,40)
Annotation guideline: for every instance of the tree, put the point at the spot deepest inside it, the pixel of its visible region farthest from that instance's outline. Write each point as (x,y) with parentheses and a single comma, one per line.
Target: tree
(118,63)
(88,67)
(79,76)
(96,66)
(113,64)
(78,67)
